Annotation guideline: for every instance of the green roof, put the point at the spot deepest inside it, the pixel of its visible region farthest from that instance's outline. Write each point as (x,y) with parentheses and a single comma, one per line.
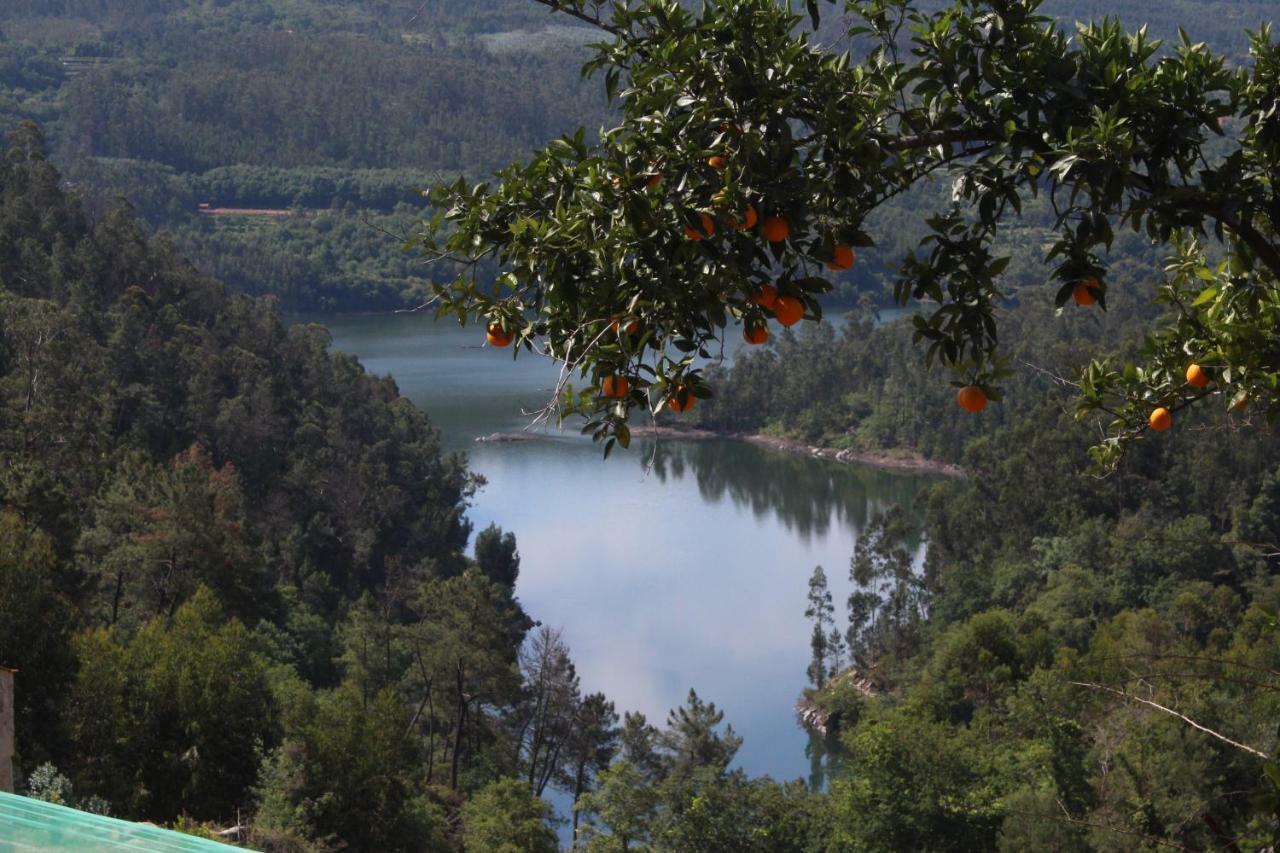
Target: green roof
(28,825)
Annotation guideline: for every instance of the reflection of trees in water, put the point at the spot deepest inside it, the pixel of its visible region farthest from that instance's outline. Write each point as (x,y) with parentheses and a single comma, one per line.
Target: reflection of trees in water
(827,757)
(807,495)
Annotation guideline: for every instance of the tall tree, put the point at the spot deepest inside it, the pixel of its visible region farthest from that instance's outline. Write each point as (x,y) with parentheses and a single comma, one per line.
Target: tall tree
(888,599)
(465,650)
(822,612)
(497,557)
(693,740)
(592,745)
(545,718)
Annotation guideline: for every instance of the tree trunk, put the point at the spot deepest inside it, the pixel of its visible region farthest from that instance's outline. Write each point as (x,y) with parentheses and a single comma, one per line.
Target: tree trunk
(579,782)
(462,722)
(431,735)
(115,600)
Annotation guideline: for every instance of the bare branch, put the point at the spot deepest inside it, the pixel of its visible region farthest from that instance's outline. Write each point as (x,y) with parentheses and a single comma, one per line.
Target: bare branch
(573,10)
(1122,694)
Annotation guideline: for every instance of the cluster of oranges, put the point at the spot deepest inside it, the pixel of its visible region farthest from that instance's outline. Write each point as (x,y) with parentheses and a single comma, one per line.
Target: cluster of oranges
(1197,377)
(785,308)
(788,310)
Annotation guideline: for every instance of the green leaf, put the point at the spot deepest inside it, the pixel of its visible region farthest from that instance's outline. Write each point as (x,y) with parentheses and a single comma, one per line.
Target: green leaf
(1206,295)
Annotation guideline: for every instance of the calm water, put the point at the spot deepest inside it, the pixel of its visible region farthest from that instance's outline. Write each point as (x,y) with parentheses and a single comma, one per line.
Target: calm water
(669,566)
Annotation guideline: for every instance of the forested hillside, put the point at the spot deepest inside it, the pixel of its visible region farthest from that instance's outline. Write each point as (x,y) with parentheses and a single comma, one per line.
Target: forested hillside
(234,566)
(211,529)
(232,572)
(340,109)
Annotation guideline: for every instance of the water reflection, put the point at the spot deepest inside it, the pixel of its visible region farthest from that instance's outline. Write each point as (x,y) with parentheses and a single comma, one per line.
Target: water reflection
(691,573)
(810,498)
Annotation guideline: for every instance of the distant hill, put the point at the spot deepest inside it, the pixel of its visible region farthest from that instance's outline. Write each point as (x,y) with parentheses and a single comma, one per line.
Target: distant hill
(342,105)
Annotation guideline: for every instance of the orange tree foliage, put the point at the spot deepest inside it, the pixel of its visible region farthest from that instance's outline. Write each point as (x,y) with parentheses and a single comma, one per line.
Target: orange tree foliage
(1114,131)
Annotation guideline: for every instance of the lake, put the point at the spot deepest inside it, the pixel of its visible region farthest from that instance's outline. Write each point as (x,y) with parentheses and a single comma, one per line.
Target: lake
(674,565)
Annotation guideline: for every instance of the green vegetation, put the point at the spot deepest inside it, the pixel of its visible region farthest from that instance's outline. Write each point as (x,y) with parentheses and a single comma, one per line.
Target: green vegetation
(233,565)
(750,160)
(342,108)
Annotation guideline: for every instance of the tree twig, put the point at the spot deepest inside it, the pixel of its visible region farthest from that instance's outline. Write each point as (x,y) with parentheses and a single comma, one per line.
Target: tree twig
(1122,694)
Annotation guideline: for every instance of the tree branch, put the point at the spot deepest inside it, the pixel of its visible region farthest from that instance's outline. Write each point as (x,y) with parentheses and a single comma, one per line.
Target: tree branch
(1172,713)
(574,11)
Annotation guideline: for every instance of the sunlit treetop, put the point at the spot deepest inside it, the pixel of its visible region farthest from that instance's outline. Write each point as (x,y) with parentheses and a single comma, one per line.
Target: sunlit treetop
(747,156)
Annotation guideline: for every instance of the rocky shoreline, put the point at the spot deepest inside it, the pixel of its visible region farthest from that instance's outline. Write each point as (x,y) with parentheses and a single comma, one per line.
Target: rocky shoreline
(815,718)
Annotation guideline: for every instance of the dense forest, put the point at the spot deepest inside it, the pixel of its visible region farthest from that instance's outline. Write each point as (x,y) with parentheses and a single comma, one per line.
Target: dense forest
(233,576)
(238,576)
(340,109)
(234,566)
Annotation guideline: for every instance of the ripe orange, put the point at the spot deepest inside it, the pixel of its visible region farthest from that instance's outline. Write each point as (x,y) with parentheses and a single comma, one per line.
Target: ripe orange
(708,229)
(1081,292)
(653,180)
(749,219)
(788,310)
(755,335)
(717,162)
(766,296)
(776,229)
(633,325)
(972,399)
(841,259)
(682,400)
(615,387)
(497,337)
(1196,377)
(1160,419)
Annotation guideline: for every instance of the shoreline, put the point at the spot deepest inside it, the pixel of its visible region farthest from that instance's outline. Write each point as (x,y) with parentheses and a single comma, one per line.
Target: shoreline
(902,460)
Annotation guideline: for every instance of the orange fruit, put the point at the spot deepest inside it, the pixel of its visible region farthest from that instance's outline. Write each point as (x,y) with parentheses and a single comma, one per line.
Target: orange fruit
(972,399)
(788,310)
(1196,377)
(633,325)
(1243,404)
(615,387)
(497,337)
(766,296)
(708,229)
(776,229)
(682,400)
(1160,419)
(755,335)
(749,219)
(1081,292)
(653,180)
(841,259)
(717,162)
